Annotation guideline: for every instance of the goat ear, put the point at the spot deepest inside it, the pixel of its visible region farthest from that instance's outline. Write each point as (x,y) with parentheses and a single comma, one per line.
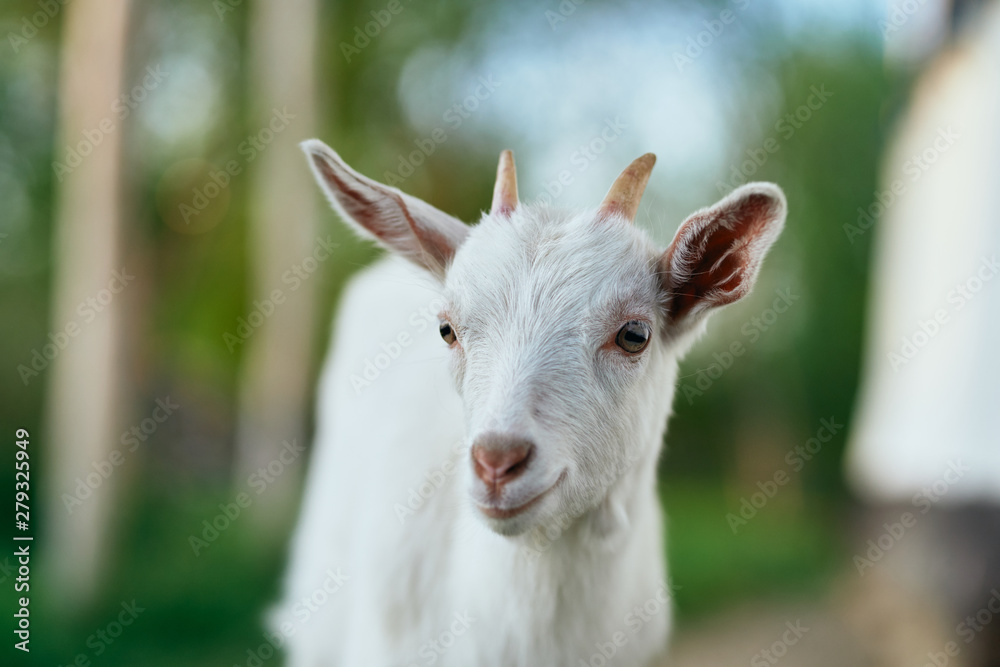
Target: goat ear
(413,228)
(715,255)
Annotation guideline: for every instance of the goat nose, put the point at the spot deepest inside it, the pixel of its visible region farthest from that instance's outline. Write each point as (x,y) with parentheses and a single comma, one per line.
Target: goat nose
(499,459)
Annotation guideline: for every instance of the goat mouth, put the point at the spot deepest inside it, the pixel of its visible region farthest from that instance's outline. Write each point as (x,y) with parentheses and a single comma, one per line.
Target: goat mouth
(494,512)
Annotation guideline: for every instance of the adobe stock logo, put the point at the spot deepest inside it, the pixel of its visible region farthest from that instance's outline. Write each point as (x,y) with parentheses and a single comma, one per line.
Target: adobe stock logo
(927,329)
(785,127)
(713,28)
(633,623)
(913,169)
(92,137)
(48,9)
(793,633)
(796,459)
(968,630)
(263,309)
(89,483)
(752,330)
(584,156)
(433,649)
(453,117)
(434,479)
(391,349)
(248,149)
(923,501)
(363,35)
(88,310)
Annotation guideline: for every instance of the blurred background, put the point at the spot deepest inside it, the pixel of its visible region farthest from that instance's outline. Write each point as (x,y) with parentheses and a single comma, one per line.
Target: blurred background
(169,273)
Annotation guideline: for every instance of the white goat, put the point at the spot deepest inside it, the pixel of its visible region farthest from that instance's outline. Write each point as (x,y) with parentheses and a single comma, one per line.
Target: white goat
(490,500)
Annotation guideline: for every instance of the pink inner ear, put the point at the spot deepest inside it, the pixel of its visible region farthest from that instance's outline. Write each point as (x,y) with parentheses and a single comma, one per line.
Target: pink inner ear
(436,246)
(713,259)
(362,209)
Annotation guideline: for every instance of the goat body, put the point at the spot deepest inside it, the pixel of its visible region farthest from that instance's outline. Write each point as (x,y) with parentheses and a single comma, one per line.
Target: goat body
(490,499)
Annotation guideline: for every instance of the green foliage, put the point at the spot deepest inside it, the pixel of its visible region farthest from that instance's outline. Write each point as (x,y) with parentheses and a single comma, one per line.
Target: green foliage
(778,554)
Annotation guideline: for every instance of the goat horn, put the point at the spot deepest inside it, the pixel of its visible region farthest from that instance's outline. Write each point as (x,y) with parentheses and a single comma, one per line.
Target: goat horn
(626,192)
(505,190)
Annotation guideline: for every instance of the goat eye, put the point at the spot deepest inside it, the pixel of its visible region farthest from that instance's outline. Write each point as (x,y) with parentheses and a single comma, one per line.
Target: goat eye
(633,337)
(447,332)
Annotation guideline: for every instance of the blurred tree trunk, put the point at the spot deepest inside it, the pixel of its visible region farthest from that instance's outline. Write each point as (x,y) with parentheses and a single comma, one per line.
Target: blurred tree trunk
(83,394)
(276,374)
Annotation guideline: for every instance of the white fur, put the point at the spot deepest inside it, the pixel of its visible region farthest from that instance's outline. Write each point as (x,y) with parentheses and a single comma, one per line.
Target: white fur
(535,299)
